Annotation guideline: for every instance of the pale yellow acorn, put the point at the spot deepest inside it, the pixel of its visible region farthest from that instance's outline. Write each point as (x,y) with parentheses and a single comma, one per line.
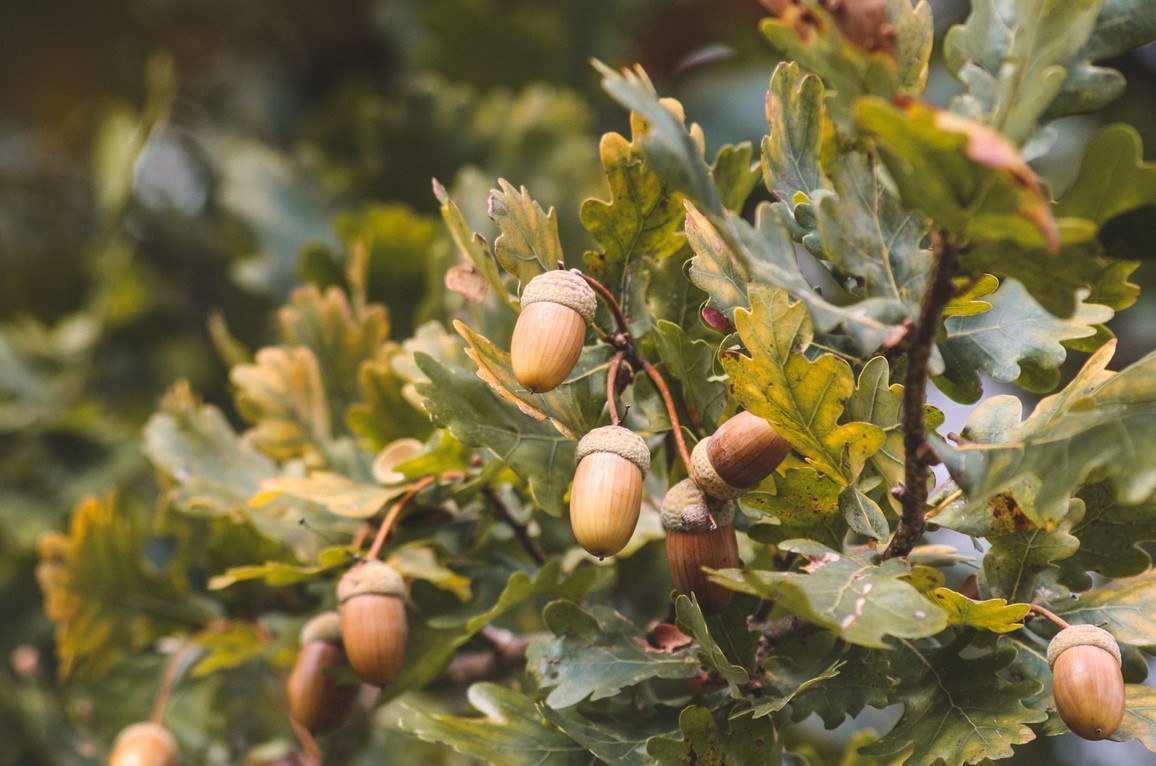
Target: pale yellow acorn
(144,744)
(316,700)
(741,453)
(699,533)
(606,496)
(557,308)
(1087,681)
(373,623)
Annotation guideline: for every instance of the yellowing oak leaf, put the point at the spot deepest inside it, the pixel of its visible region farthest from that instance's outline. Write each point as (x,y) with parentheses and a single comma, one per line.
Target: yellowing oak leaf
(803,399)
(284,397)
(995,614)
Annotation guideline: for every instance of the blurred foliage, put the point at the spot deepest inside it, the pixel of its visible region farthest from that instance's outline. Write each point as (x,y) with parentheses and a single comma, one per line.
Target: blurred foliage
(171,172)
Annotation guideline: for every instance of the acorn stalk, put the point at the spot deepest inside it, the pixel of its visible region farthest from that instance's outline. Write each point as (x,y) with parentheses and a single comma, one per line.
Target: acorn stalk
(557,309)
(740,454)
(373,622)
(699,533)
(1087,680)
(606,496)
(317,700)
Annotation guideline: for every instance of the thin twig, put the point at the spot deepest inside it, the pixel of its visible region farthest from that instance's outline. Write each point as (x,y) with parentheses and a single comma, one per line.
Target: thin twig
(394,512)
(530,545)
(1058,621)
(173,669)
(668,400)
(611,302)
(917,456)
(611,384)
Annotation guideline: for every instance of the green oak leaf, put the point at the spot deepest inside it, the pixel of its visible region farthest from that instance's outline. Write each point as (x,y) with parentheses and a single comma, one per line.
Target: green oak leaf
(821,677)
(1113,177)
(790,156)
(1125,607)
(616,732)
(383,412)
(473,246)
(1110,535)
(955,709)
(803,399)
(1139,716)
(597,653)
(643,216)
(102,592)
(512,733)
(994,614)
(284,396)
(735,174)
(869,238)
(968,299)
(1015,561)
(710,742)
(675,154)
(528,244)
(533,449)
(811,36)
(277,574)
(715,268)
(805,504)
(336,492)
(341,337)
(573,407)
(227,647)
(1120,26)
(863,515)
(862,677)
(961,174)
(1013,57)
(1101,422)
(691,364)
(694,623)
(1015,335)
(857,600)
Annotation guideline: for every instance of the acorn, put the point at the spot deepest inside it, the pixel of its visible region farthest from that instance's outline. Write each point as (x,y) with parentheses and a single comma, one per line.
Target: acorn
(606,496)
(317,700)
(373,622)
(699,533)
(741,453)
(557,308)
(1086,680)
(144,744)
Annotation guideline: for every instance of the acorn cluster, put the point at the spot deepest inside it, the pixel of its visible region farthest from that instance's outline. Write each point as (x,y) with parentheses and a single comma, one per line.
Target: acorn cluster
(606,495)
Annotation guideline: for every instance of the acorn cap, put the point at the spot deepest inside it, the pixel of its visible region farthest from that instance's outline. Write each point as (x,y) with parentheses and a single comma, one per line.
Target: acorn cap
(564,287)
(705,475)
(370,577)
(1082,635)
(139,742)
(618,441)
(685,508)
(324,627)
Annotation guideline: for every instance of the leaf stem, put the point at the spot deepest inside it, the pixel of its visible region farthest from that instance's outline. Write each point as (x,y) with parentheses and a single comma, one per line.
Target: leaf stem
(394,512)
(173,669)
(1059,622)
(611,381)
(622,341)
(918,457)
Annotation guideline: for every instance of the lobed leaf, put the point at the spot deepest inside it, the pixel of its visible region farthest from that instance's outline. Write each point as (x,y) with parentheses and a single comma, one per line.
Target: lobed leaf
(1125,607)
(707,742)
(994,614)
(596,654)
(855,599)
(805,505)
(802,399)
(691,364)
(473,246)
(528,244)
(284,397)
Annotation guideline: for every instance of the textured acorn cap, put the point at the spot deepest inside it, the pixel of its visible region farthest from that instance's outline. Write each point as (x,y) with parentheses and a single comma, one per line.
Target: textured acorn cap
(127,747)
(324,627)
(370,577)
(707,477)
(564,287)
(686,508)
(1082,635)
(618,441)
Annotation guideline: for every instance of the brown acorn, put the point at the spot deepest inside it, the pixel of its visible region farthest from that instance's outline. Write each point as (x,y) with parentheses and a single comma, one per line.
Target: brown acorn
(144,744)
(373,622)
(557,308)
(1087,681)
(741,453)
(316,700)
(606,496)
(694,542)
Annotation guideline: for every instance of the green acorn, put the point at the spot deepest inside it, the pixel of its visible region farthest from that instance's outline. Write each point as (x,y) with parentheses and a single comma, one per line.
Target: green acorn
(557,309)
(606,496)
